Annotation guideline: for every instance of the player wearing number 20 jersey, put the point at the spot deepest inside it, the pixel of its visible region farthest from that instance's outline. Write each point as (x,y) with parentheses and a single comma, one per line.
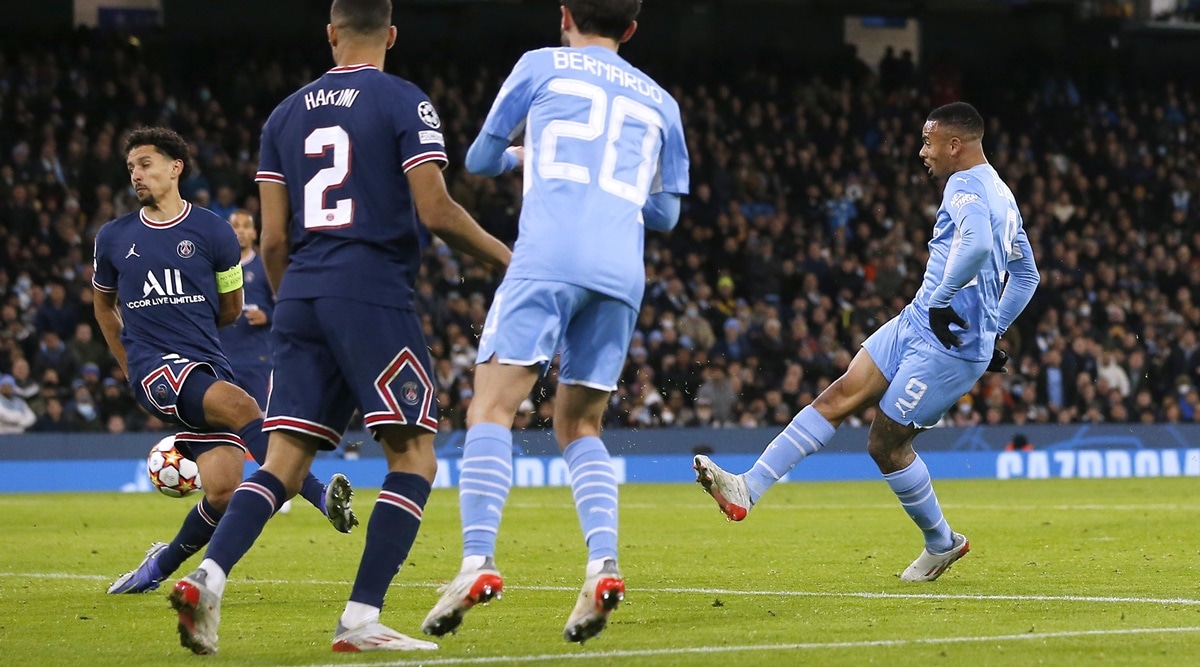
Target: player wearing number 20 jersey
(600,138)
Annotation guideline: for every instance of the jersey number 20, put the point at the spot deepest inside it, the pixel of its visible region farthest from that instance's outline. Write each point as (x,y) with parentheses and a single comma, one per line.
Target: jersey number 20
(622,108)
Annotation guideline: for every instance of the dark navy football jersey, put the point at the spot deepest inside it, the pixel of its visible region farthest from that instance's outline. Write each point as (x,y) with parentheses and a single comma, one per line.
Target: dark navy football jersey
(246,344)
(165,277)
(342,145)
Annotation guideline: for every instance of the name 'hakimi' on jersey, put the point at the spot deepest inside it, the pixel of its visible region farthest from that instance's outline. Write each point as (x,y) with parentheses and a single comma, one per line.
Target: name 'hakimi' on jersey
(340,98)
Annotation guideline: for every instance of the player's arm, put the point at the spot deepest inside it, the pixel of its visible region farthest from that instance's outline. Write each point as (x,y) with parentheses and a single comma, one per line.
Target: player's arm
(276,207)
(490,155)
(1023,279)
(444,217)
(661,211)
(230,295)
(970,250)
(108,316)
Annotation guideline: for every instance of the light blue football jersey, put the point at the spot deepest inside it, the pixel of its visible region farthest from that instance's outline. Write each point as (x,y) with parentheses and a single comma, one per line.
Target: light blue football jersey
(600,137)
(975,190)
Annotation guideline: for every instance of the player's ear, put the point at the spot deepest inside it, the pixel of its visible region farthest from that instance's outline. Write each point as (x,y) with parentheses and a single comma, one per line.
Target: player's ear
(628,32)
(567,19)
(331,34)
(176,168)
(391,40)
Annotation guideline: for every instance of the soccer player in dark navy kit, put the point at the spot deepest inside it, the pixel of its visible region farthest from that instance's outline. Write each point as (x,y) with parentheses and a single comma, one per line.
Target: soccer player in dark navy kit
(347,164)
(247,345)
(166,277)
(246,342)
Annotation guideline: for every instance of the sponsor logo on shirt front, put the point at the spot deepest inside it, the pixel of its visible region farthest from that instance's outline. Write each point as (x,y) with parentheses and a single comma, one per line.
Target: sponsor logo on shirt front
(167,290)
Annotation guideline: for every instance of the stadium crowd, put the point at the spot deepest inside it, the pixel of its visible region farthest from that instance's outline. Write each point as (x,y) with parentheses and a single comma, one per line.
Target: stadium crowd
(805,230)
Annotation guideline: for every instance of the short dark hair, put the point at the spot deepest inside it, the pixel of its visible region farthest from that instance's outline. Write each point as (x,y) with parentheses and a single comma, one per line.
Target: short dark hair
(959,115)
(365,17)
(165,140)
(606,18)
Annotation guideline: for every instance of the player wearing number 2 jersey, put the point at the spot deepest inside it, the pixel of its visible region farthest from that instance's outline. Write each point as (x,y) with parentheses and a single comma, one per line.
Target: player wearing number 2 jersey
(604,159)
(916,366)
(347,164)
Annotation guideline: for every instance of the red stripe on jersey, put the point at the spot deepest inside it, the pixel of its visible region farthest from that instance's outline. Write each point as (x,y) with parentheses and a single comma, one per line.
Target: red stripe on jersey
(422,158)
(270,177)
(154,224)
(352,68)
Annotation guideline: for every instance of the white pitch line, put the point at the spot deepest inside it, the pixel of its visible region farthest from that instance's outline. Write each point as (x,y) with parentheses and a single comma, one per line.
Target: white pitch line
(808,646)
(817,507)
(865,595)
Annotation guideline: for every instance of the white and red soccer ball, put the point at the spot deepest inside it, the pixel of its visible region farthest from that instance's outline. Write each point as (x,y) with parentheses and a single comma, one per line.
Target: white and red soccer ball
(170,471)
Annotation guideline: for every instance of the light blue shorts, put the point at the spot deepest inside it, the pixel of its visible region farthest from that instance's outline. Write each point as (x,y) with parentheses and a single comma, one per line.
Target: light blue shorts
(532,320)
(924,381)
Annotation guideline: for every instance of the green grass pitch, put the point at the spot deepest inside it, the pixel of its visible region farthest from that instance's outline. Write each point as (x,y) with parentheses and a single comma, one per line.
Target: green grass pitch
(1067,572)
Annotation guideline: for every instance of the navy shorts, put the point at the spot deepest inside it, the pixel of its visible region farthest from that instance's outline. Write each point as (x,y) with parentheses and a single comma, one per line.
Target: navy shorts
(334,355)
(160,390)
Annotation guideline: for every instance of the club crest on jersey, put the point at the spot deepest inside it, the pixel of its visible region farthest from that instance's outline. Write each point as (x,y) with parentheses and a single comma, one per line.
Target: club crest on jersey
(160,391)
(186,248)
(409,393)
(428,115)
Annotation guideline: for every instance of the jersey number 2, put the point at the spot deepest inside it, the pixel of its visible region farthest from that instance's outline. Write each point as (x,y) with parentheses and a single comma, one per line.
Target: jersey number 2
(316,214)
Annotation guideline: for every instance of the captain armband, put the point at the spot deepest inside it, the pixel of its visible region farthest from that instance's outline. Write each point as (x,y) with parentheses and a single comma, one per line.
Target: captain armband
(230,279)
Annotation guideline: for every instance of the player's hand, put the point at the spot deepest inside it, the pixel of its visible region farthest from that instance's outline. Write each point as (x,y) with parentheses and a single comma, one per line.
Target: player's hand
(519,152)
(940,320)
(999,358)
(256,316)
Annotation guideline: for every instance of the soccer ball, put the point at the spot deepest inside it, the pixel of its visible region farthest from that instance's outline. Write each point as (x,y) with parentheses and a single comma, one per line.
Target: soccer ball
(170,471)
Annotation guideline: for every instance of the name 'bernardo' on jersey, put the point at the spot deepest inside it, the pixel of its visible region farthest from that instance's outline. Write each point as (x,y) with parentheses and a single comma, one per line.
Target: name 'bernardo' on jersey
(321,97)
(582,62)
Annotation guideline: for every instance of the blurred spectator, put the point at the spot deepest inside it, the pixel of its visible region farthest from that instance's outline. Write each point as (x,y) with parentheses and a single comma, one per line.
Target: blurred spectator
(85,350)
(54,419)
(15,415)
(82,409)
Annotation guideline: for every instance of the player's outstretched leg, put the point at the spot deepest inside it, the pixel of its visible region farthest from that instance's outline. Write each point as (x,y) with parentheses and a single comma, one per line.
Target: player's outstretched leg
(162,560)
(146,577)
(728,489)
(602,591)
(471,587)
(375,636)
(338,495)
(929,566)
(199,613)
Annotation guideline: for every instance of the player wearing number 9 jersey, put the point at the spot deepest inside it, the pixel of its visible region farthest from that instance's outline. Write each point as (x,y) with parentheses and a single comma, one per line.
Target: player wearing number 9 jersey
(604,158)
(347,164)
(915,366)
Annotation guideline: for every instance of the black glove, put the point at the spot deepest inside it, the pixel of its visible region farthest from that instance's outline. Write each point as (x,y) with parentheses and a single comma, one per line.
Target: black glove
(940,320)
(999,358)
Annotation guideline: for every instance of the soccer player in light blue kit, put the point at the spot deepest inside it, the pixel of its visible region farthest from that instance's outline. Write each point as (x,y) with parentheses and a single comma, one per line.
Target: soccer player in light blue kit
(917,365)
(604,157)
